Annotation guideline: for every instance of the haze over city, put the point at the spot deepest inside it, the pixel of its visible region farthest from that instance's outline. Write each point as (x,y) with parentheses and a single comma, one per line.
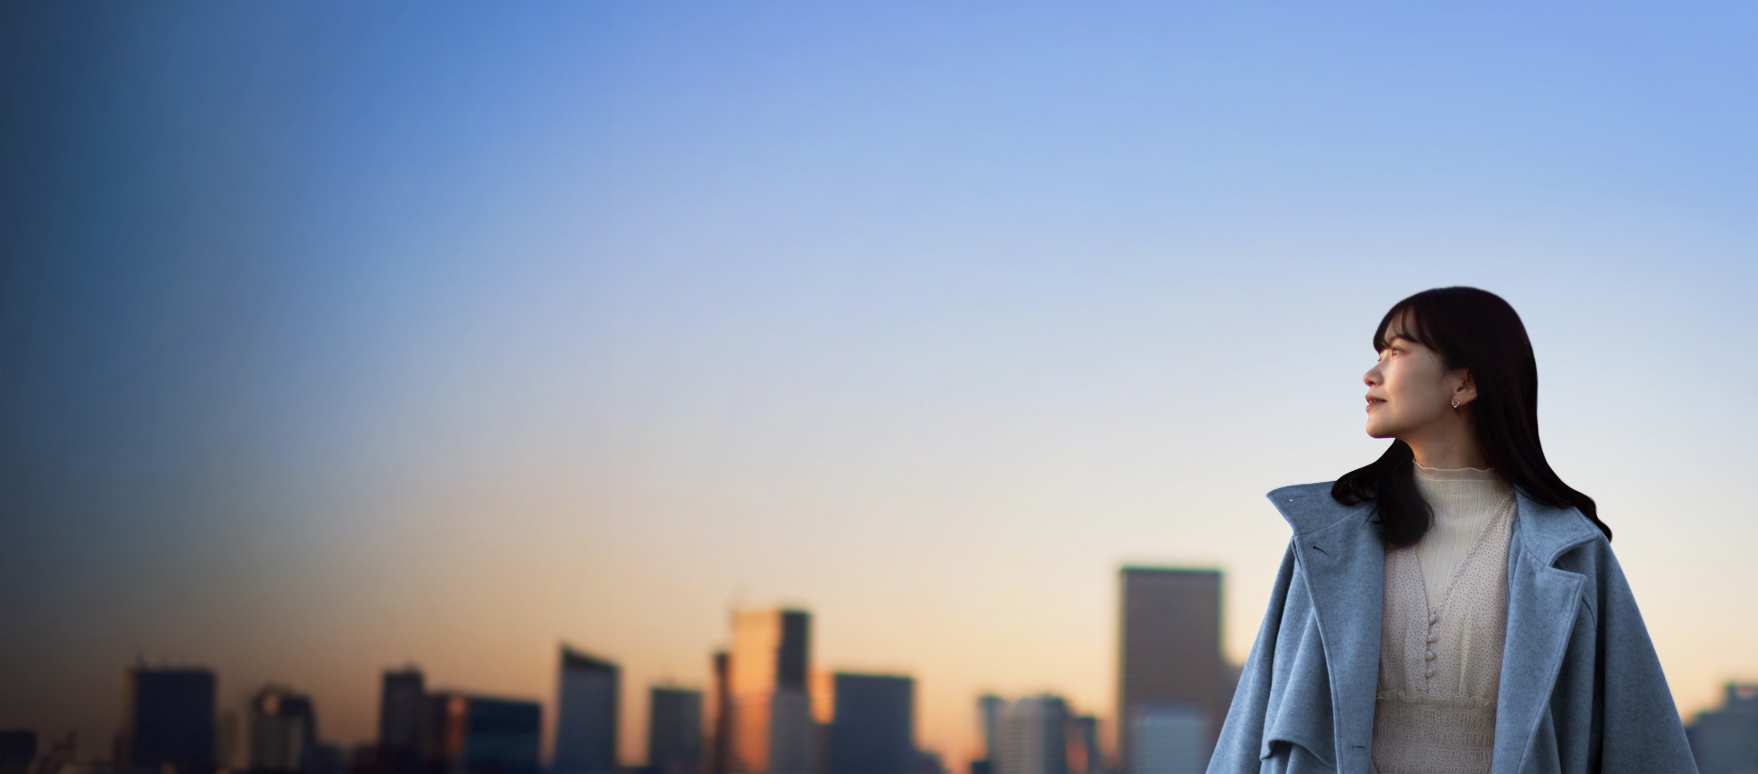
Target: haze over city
(340,337)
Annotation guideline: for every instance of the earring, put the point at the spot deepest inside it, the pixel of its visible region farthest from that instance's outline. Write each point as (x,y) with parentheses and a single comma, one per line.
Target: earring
(1455,404)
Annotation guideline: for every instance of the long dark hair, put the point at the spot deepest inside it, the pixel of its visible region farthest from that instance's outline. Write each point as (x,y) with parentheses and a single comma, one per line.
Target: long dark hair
(1478,331)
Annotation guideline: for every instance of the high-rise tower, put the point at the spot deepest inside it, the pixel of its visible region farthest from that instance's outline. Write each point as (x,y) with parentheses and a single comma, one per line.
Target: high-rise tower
(771,729)
(872,729)
(674,731)
(1031,736)
(988,720)
(170,720)
(480,734)
(401,698)
(1170,662)
(720,716)
(586,714)
(283,732)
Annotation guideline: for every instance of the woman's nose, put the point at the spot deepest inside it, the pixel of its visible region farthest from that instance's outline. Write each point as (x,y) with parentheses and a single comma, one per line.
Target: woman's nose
(1372,377)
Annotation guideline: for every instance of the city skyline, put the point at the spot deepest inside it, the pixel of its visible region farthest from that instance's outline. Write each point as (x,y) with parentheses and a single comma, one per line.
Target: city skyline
(340,337)
(848,722)
(1165,599)
(782,631)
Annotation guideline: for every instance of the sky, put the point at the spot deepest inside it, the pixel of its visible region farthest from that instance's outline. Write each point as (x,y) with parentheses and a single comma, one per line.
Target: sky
(336,337)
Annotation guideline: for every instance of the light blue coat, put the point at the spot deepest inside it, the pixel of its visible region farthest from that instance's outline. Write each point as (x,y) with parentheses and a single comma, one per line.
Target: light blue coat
(1581,687)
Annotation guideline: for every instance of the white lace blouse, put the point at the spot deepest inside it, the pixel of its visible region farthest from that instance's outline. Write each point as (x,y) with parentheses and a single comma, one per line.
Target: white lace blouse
(1444,622)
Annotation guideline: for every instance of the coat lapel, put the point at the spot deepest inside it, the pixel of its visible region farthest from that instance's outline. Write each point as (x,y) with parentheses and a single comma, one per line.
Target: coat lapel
(1343,561)
(1542,604)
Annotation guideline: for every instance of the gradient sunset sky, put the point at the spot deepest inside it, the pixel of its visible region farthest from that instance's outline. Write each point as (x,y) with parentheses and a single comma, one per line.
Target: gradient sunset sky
(340,336)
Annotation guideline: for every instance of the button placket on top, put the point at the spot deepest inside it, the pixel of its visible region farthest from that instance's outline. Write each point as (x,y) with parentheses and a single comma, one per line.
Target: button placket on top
(1428,656)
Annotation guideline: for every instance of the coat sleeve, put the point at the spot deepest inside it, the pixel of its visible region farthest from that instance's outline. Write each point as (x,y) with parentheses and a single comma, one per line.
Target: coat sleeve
(1640,729)
(1239,749)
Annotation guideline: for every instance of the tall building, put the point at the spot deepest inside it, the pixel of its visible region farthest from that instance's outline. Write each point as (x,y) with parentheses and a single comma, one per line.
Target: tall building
(1170,652)
(283,732)
(17,750)
(479,735)
(872,729)
(170,720)
(988,719)
(1725,741)
(1084,756)
(674,731)
(1031,737)
(720,716)
(586,714)
(402,694)
(771,713)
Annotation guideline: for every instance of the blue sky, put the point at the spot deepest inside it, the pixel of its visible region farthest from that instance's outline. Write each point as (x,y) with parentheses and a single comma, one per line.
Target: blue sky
(342,335)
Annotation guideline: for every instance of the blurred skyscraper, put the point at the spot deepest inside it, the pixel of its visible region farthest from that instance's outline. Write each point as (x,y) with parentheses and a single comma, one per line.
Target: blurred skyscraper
(771,730)
(720,716)
(1084,756)
(1170,647)
(402,695)
(169,721)
(1031,737)
(1725,741)
(478,735)
(586,714)
(988,719)
(283,732)
(17,750)
(872,726)
(674,731)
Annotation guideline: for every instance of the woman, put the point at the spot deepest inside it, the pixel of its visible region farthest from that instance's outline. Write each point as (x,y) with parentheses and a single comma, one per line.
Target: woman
(1453,606)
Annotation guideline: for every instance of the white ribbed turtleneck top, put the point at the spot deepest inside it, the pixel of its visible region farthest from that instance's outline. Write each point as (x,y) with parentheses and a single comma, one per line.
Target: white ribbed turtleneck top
(1465,501)
(1443,627)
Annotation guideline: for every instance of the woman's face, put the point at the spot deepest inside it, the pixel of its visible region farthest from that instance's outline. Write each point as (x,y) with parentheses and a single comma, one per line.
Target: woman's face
(1410,390)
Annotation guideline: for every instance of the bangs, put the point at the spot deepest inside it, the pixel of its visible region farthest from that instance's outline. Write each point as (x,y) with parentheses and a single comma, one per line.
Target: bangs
(1406,320)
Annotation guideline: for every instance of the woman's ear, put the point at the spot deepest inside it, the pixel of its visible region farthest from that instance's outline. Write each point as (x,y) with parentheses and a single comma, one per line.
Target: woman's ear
(1466,390)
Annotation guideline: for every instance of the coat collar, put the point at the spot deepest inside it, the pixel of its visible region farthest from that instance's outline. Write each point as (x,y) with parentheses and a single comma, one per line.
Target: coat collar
(1543,602)
(1342,560)
(1546,531)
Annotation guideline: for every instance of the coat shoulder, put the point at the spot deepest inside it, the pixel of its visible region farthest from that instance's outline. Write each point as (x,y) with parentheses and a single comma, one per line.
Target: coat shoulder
(1559,536)
(1309,508)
